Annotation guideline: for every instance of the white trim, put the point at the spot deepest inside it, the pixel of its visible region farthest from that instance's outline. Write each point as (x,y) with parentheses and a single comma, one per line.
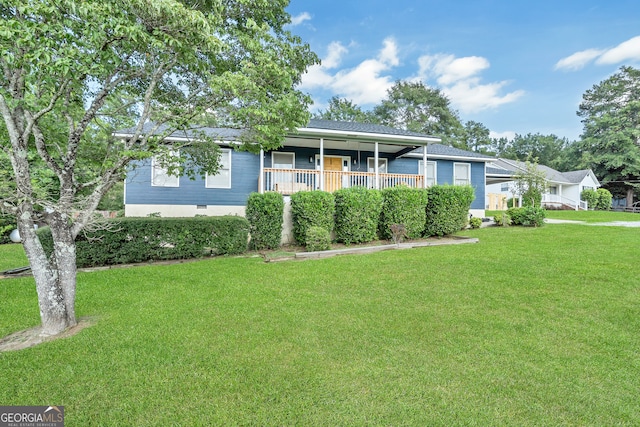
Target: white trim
(157,172)
(425,173)
(169,211)
(451,157)
(293,159)
(261,178)
(368,137)
(228,183)
(380,159)
(321,164)
(468,165)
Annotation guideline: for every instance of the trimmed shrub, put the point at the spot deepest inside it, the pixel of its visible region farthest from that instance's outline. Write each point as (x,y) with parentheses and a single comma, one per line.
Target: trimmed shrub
(134,240)
(502,219)
(475,222)
(311,208)
(527,216)
(357,214)
(406,206)
(318,239)
(591,197)
(604,199)
(265,216)
(447,209)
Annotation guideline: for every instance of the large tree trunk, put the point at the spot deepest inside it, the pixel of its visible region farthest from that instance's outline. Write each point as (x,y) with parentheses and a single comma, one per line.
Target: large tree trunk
(55,277)
(630,194)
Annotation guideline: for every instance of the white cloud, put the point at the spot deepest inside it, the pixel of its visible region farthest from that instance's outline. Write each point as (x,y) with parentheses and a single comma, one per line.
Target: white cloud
(625,51)
(448,69)
(509,135)
(363,84)
(299,19)
(458,78)
(578,60)
(334,55)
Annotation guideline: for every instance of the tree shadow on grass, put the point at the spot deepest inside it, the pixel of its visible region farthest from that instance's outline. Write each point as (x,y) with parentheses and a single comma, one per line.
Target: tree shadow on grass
(32,337)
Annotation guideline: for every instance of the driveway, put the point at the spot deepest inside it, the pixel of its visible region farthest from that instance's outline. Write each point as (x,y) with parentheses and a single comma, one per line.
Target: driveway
(632,224)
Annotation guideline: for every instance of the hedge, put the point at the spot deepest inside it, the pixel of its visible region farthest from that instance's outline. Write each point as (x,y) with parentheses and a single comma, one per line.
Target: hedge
(403,206)
(604,199)
(357,214)
(311,209)
(134,240)
(447,209)
(264,213)
(590,196)
(527,216)
(318,239)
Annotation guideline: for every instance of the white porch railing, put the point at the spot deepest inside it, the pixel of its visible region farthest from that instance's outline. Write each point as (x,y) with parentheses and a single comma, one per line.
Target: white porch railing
(288,181)
(554,199)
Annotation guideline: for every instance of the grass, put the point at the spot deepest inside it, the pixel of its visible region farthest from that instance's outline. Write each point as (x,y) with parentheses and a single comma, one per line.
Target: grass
(12,256)
(528,327)
(587,216)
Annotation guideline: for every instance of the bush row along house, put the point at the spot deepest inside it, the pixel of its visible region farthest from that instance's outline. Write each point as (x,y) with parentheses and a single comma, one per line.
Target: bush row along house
(324,155)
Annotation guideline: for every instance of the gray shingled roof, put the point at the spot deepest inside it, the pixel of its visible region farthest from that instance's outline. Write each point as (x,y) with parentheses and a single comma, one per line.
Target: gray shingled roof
(227,134)
(498,171)
(508,166)
(445,150)
(223,134)
(576,177)
(361,127)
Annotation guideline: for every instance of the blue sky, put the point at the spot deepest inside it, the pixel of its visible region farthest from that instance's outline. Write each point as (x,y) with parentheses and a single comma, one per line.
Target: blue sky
(515,66)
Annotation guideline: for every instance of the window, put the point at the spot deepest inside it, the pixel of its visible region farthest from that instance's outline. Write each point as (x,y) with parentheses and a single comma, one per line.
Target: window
(461,173)
(431,172)
(223,178)
(504,187)
(553,190)
(160,175)
(282,160)
(382,165)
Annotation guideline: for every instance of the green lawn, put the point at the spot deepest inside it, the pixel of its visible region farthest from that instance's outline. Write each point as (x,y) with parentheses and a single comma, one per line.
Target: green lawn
(528,327)
(12,256)
(587,216)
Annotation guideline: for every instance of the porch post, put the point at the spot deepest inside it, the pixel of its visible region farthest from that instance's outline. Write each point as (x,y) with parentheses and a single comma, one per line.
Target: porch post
(322,164)
(424,165)
(261,177)
(375,167)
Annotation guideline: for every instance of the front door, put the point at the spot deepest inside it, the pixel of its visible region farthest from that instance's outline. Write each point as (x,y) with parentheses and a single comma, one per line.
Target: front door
(332,177)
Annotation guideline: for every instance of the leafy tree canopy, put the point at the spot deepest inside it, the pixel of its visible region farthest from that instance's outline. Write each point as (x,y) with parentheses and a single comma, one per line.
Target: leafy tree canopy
(416,107)
(610,144)
(547,149)
(73,71)
(476,137)
(342,109)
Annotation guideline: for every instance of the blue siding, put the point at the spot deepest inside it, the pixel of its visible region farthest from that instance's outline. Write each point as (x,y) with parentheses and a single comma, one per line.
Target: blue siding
(245,169)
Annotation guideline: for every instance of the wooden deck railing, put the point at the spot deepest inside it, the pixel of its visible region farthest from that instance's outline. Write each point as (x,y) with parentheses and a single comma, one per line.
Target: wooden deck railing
(288,181)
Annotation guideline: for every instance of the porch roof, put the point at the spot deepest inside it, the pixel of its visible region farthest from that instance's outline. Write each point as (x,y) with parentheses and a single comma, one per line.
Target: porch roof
(358,137)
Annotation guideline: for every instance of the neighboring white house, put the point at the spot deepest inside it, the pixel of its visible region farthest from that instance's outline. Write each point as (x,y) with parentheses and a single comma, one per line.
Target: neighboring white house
(563,188)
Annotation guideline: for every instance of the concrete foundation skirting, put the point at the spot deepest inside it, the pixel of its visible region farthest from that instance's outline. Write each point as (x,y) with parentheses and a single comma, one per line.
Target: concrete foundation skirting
(372,249)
